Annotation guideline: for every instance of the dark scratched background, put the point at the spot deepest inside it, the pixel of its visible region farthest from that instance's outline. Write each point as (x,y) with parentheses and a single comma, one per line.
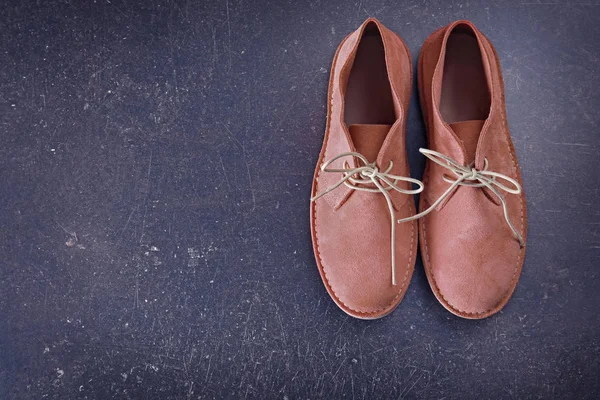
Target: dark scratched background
(156,159)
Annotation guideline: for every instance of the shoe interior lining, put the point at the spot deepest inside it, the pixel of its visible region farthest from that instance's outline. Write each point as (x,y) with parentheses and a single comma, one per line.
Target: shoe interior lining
(465,93)
(368,99)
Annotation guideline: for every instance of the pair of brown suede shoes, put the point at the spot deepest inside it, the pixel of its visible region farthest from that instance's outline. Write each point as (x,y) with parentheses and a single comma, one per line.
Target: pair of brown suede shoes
(472,219)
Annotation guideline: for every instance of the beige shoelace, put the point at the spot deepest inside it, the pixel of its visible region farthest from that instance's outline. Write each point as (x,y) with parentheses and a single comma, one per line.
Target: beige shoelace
(370,173)
(470,176)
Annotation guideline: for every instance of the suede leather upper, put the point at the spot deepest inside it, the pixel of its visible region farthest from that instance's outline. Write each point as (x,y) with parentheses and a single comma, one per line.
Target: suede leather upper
(351,229)
(471,257)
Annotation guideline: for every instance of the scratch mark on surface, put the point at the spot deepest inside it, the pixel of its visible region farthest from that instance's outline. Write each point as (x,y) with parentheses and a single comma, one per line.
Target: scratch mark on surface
(338,370)
(250,182)
(341,326)
(117,8)
(228,31)
(215,51)
(145,200)
(568,144)
(208,369)
(225,173)
(232,137)
(73,234)
(127,223)
(190,391)
(411,388)
(143,223)
(281,325)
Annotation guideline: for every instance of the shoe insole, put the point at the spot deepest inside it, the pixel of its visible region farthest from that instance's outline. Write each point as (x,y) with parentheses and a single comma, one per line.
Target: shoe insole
(465,93)
(368,99)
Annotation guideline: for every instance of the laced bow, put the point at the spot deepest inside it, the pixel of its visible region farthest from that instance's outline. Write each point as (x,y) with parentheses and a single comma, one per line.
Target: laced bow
(367,173)
(470,176)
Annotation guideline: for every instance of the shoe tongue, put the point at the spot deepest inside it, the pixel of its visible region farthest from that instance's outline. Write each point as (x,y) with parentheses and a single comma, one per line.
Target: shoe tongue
(368,138)
(468,132)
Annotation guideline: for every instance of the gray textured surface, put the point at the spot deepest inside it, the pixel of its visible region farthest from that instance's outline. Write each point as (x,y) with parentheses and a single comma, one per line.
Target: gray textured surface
(155,167)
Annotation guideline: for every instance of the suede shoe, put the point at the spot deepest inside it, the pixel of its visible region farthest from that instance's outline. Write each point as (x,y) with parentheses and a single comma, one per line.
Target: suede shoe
(361,184)
(473,219)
